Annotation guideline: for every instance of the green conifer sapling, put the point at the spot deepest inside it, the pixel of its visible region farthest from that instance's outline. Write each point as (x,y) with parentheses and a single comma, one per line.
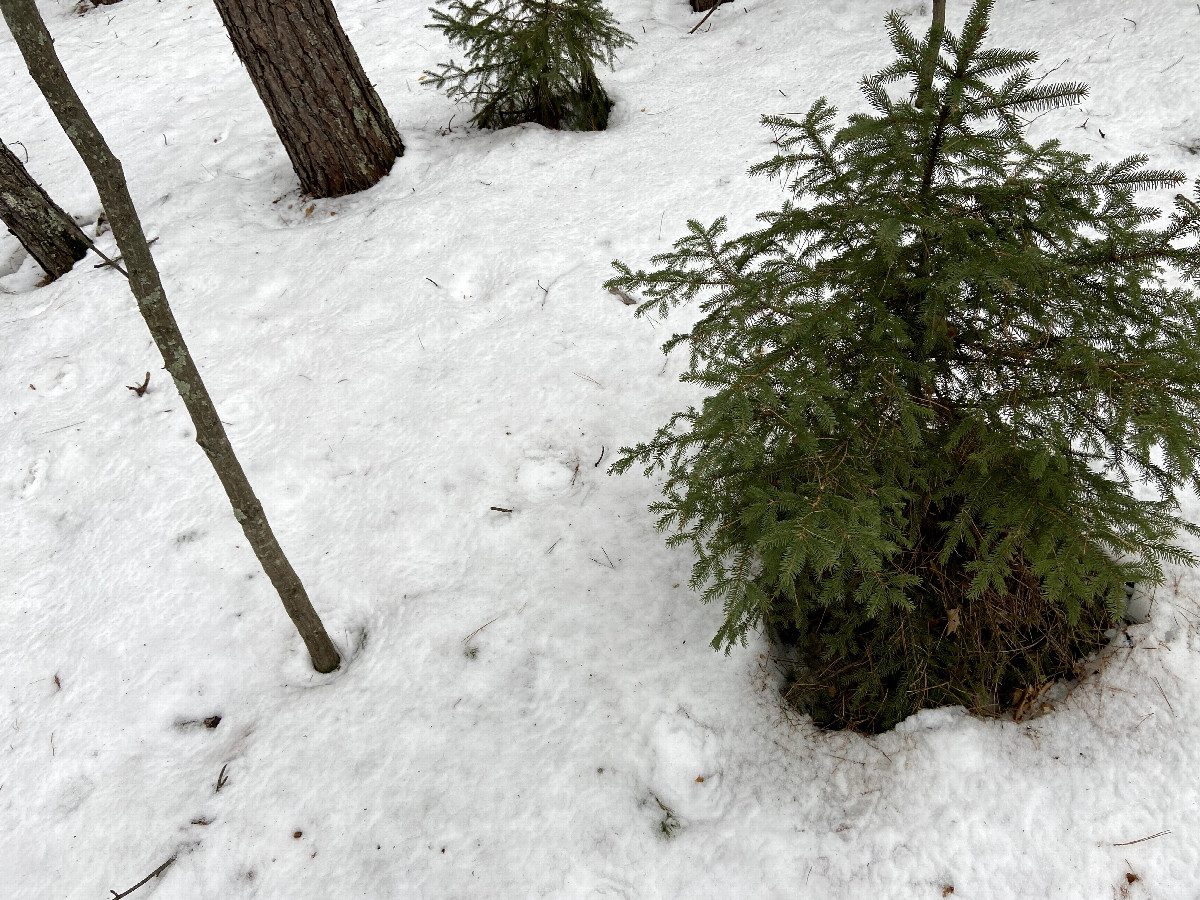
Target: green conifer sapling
(954,385)
(529,60)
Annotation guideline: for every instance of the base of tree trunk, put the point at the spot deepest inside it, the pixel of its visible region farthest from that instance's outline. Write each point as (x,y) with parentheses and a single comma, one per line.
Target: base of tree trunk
(706,5)
(83,7)
(48,234)
(334,127)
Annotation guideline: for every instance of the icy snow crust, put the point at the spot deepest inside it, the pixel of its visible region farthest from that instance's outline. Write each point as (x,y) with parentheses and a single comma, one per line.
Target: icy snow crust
(393,364)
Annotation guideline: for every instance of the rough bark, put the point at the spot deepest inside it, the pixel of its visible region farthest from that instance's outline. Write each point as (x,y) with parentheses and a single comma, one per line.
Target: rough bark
(37,48)
(43,228)
(333,125)
(705,5)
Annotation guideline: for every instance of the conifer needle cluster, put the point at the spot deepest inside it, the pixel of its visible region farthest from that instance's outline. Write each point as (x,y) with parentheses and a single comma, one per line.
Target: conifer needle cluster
(529,60)
(954,386)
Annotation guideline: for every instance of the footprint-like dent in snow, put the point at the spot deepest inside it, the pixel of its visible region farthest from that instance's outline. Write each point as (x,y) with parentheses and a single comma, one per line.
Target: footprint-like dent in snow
(541,479)
(11,257)
(74,793)
(687,768)
(594,886)
(63,381)
(35,477)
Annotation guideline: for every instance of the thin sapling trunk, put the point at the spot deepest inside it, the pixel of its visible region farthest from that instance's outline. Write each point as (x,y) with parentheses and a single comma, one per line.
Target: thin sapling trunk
(937,30)
(37,47)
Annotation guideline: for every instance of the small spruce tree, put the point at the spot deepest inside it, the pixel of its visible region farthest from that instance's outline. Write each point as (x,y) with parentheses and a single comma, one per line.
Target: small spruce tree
(955,385)
(530,60)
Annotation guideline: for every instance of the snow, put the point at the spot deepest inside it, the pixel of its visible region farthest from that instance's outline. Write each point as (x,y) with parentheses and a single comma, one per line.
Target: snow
(528,706)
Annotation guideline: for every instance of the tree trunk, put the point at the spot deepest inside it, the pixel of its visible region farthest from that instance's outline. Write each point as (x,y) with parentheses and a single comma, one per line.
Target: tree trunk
(333,125)
(49,234)
(705,5)
(929,68)
(37,48)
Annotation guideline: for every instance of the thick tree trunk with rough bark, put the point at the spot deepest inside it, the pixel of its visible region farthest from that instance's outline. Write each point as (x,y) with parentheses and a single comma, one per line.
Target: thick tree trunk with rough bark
(43,228)
(333,125)
(37,48)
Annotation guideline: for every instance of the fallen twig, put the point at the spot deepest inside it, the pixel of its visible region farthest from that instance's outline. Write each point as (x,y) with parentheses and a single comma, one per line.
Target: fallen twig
(501,509)
(62,427)
(606,556)
(222,778)
(1164,695)
(100,253)
(596,464)
(477,630)
(716,6)
(1142,840)
(113,262)
(140,389)
(154,874)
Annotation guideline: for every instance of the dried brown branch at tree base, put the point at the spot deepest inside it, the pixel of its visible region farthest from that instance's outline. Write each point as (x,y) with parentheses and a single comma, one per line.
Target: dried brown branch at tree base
(37,49)
(1006,652)
(154,874)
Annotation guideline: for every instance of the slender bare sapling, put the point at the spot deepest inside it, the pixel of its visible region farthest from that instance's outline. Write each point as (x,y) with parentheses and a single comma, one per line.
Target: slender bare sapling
(37,47)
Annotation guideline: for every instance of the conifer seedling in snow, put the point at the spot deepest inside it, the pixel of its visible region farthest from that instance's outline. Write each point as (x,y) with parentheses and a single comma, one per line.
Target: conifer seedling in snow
(529,60)
(953,385)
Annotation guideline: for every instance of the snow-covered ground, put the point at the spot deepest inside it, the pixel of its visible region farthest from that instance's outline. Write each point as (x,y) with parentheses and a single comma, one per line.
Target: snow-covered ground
(529,706)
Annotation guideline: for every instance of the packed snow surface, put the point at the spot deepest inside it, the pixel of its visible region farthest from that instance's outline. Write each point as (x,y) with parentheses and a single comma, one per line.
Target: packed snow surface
(529,705)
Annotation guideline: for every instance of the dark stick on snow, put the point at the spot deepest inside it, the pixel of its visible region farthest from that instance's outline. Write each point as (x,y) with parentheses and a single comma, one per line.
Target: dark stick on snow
(107,262)
(37,49)
(113,262)
(1164,695)
(596,464)
(477,630)
(154,874)
(140,389)
(705,19)
(1143,840)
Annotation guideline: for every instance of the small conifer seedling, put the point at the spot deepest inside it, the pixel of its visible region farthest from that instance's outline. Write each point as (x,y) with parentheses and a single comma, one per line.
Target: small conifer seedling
(954,386)
(529,60)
